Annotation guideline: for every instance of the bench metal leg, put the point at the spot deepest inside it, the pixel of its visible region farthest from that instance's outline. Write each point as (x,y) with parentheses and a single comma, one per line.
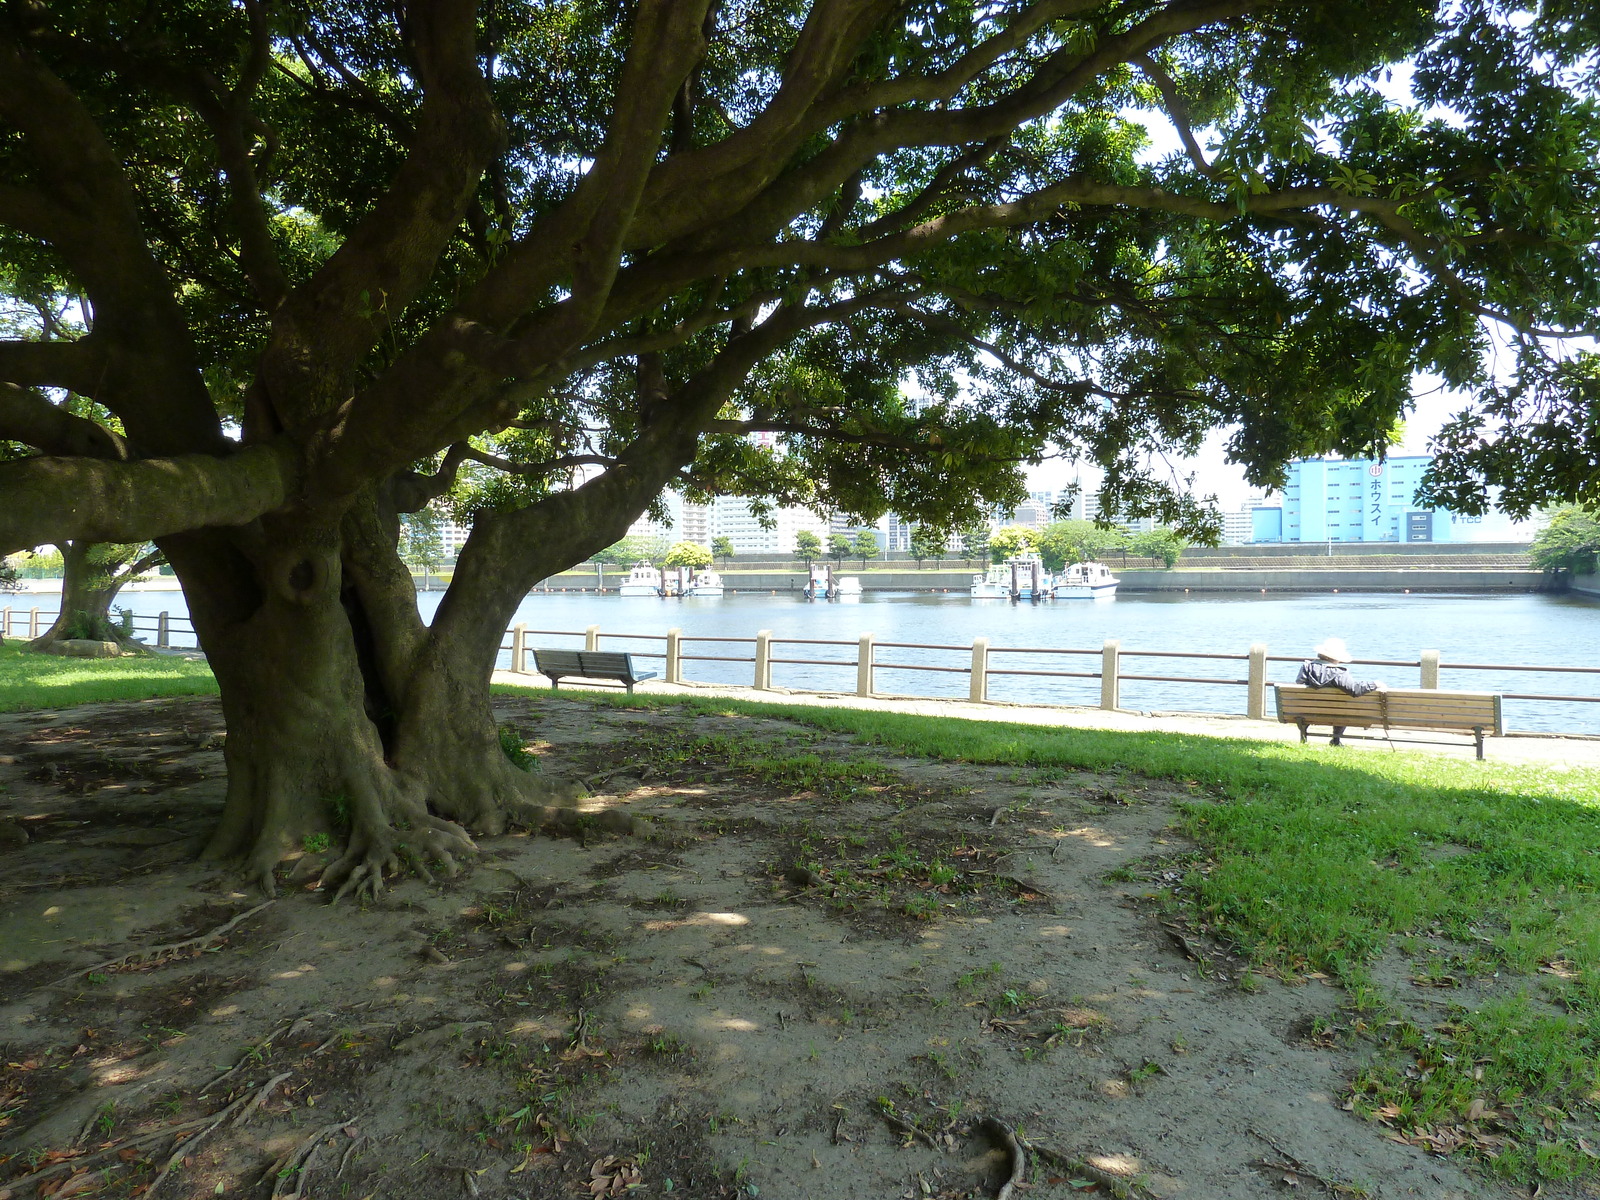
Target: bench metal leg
(1302,727)
(1477,733)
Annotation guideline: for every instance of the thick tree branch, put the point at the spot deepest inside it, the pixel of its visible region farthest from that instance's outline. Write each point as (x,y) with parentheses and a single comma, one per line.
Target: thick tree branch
(541,466)
(412,492)
(73,364)
(400,418)
(55,499)
(395,249)
(29,418)
(160,398)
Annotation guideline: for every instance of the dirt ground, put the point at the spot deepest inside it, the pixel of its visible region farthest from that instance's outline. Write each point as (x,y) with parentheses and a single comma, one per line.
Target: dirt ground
(817,971)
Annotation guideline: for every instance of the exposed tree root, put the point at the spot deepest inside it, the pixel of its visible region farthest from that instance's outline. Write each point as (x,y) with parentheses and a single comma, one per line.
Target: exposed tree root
(290,1172)
(84,1161)
(1008,1140)
(236,1113)
(899,1124)
(1122,1189)
(155,954)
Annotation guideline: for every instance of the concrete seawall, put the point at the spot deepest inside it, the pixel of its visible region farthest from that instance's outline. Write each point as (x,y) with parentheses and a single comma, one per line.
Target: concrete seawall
(1414,579)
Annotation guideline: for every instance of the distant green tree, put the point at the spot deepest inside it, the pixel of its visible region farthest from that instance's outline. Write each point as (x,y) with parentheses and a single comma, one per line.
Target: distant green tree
(1063,542)
(632,549)
(927,542)
(807,546)
(688,554)
(975,541)
(421,544)
(865,546)
(1011,540)
(1161,542)
(723,548)
(839,547)
(1571,540)
(8,575)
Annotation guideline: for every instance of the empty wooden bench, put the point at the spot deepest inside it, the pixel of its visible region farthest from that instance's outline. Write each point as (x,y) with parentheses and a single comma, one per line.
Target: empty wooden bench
(588,664)
(1477,713)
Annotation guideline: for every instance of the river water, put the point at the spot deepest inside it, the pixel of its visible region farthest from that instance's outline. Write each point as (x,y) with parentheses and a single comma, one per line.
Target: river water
(1534,630)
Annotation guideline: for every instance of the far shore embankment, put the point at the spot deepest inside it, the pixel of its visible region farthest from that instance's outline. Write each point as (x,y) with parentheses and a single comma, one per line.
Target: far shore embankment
(1176,579)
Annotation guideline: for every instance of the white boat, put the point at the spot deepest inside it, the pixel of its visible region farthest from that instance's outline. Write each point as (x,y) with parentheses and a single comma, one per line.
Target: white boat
(705,583)
(1029,580)
(643,580)
(1086,581)
(823,584)
(993,584)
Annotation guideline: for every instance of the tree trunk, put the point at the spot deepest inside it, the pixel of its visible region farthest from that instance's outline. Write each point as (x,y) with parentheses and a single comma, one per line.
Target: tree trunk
(93,574)
(350,724)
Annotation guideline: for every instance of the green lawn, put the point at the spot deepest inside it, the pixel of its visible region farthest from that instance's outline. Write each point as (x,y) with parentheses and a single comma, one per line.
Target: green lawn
(45,681)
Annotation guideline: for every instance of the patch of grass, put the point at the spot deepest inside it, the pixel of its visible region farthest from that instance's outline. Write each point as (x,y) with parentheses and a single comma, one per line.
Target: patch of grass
(47,681)
(1510,1084)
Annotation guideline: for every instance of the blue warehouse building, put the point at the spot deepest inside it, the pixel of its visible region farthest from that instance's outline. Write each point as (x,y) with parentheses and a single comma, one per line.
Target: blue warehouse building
(1353,500)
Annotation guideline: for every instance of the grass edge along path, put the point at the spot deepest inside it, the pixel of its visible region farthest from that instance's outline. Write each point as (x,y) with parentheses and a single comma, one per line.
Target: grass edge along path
(1482,877)
(30,681)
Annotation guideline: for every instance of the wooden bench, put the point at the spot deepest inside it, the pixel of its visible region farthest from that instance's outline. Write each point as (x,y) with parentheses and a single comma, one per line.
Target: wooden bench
(1477,713)
(588,664)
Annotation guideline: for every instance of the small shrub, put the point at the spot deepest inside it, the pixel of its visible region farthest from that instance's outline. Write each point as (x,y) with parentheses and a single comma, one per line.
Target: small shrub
(516,749)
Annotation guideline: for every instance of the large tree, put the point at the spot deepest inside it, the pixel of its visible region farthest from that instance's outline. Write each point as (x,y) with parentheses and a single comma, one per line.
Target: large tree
(540,261)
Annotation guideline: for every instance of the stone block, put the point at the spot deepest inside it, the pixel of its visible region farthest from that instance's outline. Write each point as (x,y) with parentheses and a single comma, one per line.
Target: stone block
(84,648)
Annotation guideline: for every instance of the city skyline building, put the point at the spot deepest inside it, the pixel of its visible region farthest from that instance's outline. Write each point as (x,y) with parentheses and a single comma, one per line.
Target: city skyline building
(1365,500)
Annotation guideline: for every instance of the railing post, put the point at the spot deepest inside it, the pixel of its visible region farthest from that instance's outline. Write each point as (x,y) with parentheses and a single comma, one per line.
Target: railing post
(1256,703)
(763,681)
(591,638)
(163,630)
(1110,665)
(980,670)
(519,648)
(674,670)
(1430,670)
(33,622)
(5,622)
(864,665)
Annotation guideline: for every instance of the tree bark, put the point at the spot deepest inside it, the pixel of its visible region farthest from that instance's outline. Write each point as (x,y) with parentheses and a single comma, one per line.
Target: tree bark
(352,727)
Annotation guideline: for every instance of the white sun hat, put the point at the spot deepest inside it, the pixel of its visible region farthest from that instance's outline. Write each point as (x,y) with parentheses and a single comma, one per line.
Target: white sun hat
(1333,650)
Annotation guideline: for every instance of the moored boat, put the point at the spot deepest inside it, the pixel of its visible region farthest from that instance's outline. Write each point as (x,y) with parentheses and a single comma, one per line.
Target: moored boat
(1029,579)
(643,580)
(1086,581)
(993,584)
(706,582)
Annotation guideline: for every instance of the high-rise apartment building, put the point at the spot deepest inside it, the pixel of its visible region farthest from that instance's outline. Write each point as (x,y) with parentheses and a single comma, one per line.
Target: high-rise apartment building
(730,517)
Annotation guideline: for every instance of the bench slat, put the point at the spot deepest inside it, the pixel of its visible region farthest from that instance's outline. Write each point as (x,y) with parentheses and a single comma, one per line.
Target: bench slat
(1478,713)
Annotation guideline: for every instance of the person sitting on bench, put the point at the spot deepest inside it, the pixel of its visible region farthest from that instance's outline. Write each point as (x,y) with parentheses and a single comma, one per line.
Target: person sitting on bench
(1327,670)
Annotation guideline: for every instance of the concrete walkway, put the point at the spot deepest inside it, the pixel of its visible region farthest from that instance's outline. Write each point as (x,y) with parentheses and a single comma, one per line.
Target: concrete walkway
(1548,749)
